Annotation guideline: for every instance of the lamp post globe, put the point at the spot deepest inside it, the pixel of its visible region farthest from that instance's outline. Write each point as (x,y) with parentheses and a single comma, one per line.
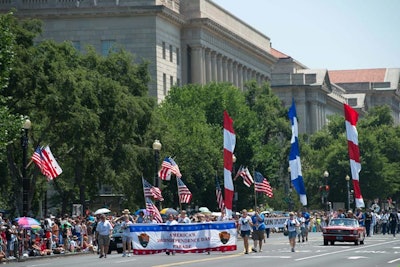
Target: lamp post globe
(156,147)
(348,191)
(325,191)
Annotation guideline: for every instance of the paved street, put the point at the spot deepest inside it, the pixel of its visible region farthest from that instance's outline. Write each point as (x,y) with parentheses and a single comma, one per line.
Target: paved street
(378,251)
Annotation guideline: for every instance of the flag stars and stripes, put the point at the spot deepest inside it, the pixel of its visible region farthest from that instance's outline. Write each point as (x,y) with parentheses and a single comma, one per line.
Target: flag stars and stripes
(184,194)
(262,185)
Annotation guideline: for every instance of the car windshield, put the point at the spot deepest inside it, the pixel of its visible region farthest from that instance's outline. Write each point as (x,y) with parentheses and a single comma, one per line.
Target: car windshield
(343,222)
(117,229)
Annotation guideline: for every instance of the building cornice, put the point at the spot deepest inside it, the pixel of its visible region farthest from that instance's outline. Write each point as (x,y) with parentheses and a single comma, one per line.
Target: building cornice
(231,36)
(114,11)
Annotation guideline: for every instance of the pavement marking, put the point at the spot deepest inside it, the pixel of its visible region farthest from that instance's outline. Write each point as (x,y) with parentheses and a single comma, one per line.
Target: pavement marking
(122,261)
(398,259)
(200,260)
(346,250)
(356,257)
(280,257)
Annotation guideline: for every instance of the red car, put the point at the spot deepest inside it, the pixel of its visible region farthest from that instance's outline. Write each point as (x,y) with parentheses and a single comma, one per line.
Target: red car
(343,230)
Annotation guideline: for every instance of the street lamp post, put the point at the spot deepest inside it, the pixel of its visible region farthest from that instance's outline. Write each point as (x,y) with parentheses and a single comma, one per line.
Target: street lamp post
(348,191)
(156,147)
(235,194)
(288,188)
(326,192)
(25,180)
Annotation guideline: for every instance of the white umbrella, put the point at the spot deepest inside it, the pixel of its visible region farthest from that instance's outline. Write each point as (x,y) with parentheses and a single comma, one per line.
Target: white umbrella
(204,210)
(102,211)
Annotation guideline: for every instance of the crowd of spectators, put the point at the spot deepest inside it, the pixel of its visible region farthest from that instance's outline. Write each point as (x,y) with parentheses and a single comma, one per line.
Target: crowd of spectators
(71,234)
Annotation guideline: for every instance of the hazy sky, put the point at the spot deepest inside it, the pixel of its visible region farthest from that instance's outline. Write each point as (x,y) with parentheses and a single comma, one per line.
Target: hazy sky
(327,34)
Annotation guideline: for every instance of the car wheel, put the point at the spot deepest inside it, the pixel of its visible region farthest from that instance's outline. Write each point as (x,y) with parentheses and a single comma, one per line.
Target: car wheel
(356,243)
(119,250)
(325,242)
(332,243)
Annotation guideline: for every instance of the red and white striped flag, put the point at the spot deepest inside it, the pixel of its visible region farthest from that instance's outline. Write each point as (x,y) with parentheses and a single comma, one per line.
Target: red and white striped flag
(184,194)
(246,175)
(218,194)
(45,160)
(354,153)
(229,147)
(152,209)
(169,166)
(151,191)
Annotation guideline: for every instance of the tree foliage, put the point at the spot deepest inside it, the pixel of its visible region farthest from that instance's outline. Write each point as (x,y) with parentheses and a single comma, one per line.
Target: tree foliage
(189,124)
(93,111)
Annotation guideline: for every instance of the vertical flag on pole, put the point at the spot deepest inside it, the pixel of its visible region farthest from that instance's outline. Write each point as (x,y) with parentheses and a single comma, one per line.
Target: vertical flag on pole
(229,147)
(151,208)
(246,175)
(294,157)
(184,194)
(218,194)
(354,153)
(262,185)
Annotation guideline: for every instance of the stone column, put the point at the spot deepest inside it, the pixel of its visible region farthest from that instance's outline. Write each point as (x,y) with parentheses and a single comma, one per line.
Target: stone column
(214,66)
(197,64)
(235,73)
(240,76)
(219,68)
(225,69)
(208,65)
(230,71)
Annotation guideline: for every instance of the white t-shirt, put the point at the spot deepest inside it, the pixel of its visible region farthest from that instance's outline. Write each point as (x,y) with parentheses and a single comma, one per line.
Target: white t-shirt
(291,224)
(244,223)
(125,225)
(183,220)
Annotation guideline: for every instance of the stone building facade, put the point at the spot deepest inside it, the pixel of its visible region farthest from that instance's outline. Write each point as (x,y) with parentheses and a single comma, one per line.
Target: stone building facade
(197,41)
(185,41)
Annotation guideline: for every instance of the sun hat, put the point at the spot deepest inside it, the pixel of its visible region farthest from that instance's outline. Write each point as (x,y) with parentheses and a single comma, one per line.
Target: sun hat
(126,211)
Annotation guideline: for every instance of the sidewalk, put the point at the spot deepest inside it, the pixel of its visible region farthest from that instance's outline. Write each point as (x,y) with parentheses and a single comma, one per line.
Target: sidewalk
(29,258)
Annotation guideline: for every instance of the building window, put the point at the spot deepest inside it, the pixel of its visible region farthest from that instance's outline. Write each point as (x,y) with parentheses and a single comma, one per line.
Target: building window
(177,56)
(77,45)
(352,102)
(165,83)
(163,50)
(171,81)
(107,46)
(171,54)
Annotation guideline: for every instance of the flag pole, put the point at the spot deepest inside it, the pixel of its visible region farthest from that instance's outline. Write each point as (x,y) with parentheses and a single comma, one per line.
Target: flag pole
(144,194)
(179,195)
(255,192)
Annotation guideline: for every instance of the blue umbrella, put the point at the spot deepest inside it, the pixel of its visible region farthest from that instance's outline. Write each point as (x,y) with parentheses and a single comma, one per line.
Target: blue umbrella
(141,210)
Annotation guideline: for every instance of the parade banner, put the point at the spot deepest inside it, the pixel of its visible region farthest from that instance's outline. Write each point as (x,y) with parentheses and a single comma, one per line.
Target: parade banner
(183,238)
(275,222)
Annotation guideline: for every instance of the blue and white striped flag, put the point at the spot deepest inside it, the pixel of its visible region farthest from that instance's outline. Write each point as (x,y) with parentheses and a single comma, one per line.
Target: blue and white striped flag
(294,157)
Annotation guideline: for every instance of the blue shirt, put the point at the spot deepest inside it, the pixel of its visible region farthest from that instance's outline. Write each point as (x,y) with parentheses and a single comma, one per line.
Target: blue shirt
(258,222)
(306,215)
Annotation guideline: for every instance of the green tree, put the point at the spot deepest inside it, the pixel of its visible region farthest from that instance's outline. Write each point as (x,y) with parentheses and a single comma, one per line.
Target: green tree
(189,124)
(92,110)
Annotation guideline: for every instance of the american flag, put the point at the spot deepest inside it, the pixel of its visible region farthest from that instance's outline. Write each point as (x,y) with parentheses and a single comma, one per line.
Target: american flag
(169,166)
(218,193)
(151,191)
(152,209)
(184,194)
(245,174)
(45,160)
(262,185)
